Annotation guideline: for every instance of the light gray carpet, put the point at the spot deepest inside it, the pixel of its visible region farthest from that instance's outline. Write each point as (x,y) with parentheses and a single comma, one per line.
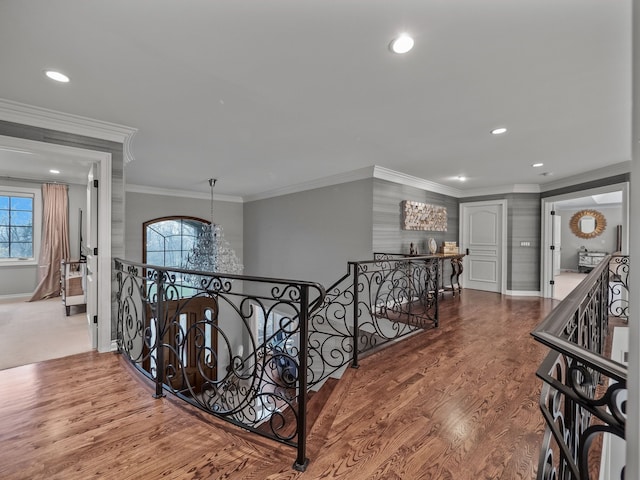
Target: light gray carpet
(565,283)
(35,331)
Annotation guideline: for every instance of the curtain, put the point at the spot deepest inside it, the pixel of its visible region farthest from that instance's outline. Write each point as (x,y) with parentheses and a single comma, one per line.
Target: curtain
(55,240)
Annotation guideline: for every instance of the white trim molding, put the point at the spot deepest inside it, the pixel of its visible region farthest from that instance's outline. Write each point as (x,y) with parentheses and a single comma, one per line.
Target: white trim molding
(523,293)
(181,193)
(16,296)
(383,173)
(504,189)
(411,181)
(352,176)
(374,171)
(65,122)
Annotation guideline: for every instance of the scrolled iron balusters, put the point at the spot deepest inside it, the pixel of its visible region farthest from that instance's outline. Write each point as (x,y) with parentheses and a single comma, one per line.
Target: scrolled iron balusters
(330,333)
(386,298)
(619,267)
(134,321)
(584,394)
(236,355)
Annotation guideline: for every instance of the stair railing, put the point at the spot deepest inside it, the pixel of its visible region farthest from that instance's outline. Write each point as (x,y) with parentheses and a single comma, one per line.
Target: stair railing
(194,334)
(378,301)
(188,331)
(584,392)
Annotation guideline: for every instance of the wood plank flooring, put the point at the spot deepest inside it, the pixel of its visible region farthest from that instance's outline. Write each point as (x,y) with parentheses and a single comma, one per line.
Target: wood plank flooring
(458,402)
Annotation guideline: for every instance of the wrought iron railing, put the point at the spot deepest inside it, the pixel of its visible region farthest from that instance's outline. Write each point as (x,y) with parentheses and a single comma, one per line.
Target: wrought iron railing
(216,342)
(619,286)
(584,392)
(235,346)
(376,302)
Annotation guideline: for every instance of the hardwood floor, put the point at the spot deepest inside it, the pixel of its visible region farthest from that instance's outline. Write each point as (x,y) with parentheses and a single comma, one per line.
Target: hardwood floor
(459,402)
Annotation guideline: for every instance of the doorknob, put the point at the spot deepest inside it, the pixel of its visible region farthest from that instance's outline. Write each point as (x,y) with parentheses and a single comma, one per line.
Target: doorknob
(467,251)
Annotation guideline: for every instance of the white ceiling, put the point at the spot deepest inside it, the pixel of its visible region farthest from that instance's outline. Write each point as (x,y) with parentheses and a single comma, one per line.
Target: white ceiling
(269,94)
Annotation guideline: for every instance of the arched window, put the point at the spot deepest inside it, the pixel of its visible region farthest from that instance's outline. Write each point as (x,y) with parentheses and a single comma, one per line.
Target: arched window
(167,241)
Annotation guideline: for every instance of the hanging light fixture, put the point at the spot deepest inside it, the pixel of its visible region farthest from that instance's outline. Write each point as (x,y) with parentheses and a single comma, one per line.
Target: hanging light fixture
(211,252)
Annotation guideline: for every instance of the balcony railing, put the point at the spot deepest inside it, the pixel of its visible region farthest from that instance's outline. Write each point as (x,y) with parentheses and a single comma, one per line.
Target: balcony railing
(377,302)
(211,340)
(247,349)
(584,392)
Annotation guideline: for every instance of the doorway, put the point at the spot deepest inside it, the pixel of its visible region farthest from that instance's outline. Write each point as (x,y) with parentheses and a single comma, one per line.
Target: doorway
(483,237)
(563,252)
(83,158)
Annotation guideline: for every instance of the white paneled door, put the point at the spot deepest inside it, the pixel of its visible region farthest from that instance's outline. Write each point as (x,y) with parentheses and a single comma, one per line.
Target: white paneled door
(482,241)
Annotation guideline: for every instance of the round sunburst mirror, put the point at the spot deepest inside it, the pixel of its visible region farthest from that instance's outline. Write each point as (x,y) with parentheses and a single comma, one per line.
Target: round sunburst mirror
(587,223)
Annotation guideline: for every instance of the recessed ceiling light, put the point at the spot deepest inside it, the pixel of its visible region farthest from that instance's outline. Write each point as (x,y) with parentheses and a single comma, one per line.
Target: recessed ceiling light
(54,171)
(462,178)
(57,76)
(498,131)
(401,44)
(536,165)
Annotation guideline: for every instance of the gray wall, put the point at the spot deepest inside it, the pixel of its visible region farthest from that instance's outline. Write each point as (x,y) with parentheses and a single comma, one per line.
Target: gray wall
(142,207)
(388,234)
(571,244)
(309,235)
(523,263)
(22,280)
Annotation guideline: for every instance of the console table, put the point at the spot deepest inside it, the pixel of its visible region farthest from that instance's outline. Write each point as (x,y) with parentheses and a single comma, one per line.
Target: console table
(456,270)
(589,259)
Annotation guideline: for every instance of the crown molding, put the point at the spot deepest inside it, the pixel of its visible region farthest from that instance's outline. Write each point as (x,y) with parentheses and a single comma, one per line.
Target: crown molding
(590,176)
(167,192)
(352,176)
(65,122)
(502,190)
(411,181)
(383,173)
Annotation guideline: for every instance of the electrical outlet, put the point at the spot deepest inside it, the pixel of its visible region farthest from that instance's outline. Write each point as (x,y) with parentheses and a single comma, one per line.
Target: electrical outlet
(525,244)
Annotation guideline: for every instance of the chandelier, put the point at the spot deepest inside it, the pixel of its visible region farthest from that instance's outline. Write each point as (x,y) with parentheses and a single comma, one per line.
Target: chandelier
(211,252)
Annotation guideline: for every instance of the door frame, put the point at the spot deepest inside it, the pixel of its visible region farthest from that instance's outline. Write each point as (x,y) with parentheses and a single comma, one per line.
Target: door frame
(502,203)
(104,222)
(546,258)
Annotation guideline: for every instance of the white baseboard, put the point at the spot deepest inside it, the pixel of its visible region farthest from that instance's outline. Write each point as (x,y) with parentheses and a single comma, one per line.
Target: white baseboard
(16,296)
(523,293)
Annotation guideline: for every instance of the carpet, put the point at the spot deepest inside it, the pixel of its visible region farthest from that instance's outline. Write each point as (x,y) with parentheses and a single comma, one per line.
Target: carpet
(565,283)
(31,332)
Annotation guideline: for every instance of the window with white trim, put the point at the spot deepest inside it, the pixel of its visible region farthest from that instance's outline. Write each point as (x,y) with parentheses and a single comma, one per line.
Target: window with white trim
(20,218)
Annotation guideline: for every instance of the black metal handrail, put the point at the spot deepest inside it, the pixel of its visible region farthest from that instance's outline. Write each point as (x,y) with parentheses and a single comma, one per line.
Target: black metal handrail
(181,329)
(584,393)
(186,330)
(619,286)
(378,301)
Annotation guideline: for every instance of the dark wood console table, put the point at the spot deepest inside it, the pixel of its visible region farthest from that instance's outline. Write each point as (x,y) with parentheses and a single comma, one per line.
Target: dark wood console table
(456,270)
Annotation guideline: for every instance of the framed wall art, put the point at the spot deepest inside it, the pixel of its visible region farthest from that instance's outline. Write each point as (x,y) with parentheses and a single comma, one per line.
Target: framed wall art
(422,216)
